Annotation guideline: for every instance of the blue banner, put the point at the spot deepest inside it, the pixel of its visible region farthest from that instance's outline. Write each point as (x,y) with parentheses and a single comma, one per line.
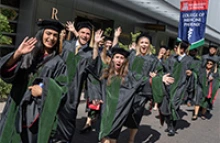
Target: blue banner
(192,24)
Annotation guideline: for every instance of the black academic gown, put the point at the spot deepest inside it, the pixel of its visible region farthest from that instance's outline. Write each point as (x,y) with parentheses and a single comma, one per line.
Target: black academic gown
(176,92)
(119,98)
(206,87)
(141,65)
(195,66)
(118,102)
(27,118)
(77,75)
(169,63)
(204,60)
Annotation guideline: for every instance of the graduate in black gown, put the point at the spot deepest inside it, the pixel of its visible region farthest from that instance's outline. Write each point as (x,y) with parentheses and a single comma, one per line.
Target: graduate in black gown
(38,77)
(104,55)
(163,69)
(117,92)
(169,62)
(77,56)
(196,64)
(142,62)
(212,52)
(181,71)
(207,87)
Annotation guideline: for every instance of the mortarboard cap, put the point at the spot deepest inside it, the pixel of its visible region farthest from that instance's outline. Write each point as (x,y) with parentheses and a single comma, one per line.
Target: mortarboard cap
(84,24)
(177,43)
(214,58)
(184,44)
(108,38)
(118,50)
(164,46)
(51,24)
(143,35)
(213,46)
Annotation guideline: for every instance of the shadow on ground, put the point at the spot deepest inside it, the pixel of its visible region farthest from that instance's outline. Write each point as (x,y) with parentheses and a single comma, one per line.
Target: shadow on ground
(88,137)
(145,135)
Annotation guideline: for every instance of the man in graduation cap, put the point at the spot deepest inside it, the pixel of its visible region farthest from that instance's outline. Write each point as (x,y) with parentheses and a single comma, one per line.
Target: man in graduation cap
(82,32)
(78,55)
(37,74)
(181,72)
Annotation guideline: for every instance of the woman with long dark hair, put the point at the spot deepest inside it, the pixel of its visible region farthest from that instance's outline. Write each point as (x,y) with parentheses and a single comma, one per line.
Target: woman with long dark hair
(37,74)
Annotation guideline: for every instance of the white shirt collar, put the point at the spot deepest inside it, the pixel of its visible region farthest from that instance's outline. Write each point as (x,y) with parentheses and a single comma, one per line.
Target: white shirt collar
(77,43)
(180,57)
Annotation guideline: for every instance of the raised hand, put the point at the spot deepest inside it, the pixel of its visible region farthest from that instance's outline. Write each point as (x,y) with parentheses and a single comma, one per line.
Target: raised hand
(98,36)
(116,36)
(70,26)
(167,79)
(26,46)
(132,46)
(117,32)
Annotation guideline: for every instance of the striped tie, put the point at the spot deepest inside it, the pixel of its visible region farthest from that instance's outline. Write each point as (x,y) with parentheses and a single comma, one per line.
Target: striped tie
(77,49)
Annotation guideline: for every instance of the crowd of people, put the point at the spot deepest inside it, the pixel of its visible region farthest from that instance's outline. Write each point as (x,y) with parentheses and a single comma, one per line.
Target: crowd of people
(48,73)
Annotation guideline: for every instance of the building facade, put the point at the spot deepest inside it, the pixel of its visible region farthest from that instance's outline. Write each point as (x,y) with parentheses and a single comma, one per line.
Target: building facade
(159,18)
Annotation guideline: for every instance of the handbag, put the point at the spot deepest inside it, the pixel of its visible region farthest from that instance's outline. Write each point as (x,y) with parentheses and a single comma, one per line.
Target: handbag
(92,106)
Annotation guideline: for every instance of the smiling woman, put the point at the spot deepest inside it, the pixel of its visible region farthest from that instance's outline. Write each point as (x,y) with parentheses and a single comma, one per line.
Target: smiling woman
(50,38)
(36,72)
(143,42)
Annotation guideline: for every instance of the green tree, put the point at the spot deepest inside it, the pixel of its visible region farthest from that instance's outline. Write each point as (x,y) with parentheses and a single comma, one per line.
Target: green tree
(4,89)
(4,27)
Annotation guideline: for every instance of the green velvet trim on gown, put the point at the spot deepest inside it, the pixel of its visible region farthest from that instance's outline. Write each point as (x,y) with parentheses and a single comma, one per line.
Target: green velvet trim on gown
(157,89)
(112,96)
(174,87)
(50,108)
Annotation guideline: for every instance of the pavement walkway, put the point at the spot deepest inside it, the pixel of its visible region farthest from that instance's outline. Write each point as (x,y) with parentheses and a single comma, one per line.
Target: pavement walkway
(150,130)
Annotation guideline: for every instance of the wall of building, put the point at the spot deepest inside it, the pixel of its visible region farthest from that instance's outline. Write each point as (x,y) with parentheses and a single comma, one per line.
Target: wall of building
(31,11)
(68,10)
(213,15)
(26,20)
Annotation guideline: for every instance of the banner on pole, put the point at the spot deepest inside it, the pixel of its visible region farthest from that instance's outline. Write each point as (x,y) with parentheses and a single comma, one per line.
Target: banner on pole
(192,24)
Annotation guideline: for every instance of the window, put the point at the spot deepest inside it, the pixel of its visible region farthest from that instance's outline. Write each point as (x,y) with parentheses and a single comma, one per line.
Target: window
(9,10)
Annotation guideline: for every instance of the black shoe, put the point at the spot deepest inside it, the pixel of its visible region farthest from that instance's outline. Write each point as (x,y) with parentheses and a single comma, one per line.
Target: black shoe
(86,128)
(166,130)
(171,132)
